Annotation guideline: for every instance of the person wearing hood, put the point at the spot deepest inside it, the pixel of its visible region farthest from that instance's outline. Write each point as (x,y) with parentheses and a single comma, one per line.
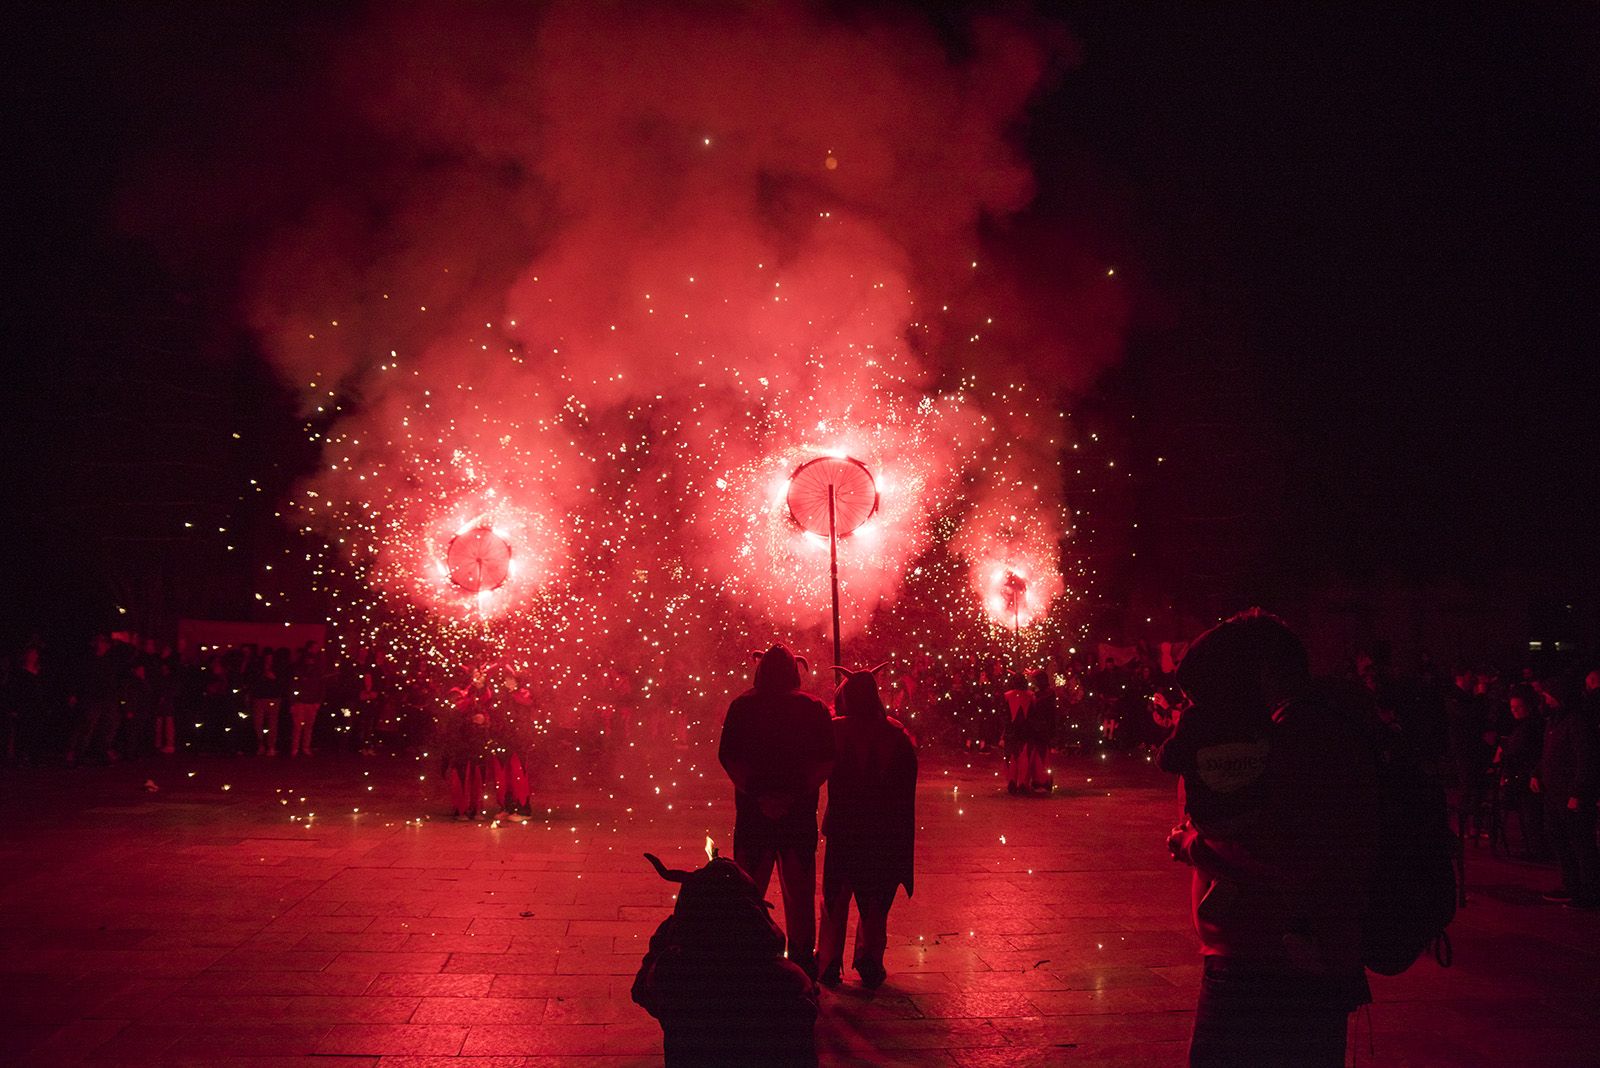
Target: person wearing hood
(716,979)
(1280,798)
(870,826)
(777,748)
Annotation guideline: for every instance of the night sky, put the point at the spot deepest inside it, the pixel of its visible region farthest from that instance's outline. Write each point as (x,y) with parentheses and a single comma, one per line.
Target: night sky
(1359,242)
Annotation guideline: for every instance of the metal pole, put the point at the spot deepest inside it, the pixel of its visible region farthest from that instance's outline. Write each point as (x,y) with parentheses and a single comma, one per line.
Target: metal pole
(833,572)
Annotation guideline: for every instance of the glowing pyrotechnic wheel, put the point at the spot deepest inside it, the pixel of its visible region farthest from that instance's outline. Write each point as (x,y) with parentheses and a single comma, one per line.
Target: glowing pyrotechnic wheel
(855,495)
(479,560)
(831,496)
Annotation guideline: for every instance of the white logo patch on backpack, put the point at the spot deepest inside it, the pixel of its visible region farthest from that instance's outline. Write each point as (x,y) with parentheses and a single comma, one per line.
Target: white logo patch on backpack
(1232,766)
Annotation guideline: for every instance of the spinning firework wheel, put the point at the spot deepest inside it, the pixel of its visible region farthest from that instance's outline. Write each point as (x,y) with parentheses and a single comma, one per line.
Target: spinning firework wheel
(479,560)
(832,495)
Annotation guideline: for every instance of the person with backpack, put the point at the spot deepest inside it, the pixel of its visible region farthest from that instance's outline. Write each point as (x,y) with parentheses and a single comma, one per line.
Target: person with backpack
(1280,793)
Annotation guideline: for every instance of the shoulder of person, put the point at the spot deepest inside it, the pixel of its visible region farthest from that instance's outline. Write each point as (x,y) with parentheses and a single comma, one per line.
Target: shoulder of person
(900,728)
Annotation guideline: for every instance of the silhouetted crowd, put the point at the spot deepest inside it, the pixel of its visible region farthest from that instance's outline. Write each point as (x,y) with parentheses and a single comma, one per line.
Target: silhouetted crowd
(1110,706)
(1524,751)
(127,697)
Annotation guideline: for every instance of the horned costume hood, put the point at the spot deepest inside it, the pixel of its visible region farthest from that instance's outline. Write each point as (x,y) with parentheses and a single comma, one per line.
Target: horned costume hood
(720,912)
(716,977)
(858,694)
(778,669)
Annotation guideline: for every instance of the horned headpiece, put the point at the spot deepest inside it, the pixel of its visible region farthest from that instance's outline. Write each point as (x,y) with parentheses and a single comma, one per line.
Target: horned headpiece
(778,668)
(719,911)
(857,694)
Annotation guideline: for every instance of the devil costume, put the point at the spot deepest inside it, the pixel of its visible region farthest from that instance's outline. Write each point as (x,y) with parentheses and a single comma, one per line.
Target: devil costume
(716,979)
(777,747)
(870,826)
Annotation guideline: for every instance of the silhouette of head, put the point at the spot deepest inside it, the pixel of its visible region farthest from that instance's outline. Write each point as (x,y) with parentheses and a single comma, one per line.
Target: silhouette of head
(1252,660)
(720,912)
(857,694)
(778,669)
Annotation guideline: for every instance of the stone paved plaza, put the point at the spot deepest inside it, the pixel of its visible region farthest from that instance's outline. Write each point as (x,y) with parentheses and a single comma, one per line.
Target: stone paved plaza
(214,921)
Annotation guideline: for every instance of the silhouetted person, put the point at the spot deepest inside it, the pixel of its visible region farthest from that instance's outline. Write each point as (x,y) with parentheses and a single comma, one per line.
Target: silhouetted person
(1472,740)
(1569,778)
(1519,753)
(95,703)
(267,690)
(1018,700)
(716,979)
(870,826)
(308,688)
(1280,799)
(777,747)
(1041,732)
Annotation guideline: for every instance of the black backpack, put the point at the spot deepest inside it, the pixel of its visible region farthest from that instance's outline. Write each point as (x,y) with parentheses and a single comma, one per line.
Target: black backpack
(1413,893)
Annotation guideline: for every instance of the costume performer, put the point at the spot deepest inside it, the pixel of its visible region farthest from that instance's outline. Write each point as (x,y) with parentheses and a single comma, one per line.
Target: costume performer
(716,979)
(464,748)
(870,826)
(1018,700)
(777,747)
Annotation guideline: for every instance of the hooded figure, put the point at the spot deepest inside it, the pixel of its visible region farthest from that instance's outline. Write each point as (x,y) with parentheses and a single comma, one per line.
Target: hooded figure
(1280,804)
(870,826)
(716,979)
(777,747)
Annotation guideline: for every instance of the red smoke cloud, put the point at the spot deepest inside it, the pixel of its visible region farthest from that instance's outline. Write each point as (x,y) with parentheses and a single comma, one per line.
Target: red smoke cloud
(605,274)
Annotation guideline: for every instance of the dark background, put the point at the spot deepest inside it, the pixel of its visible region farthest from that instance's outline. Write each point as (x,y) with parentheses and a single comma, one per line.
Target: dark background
(1360,242)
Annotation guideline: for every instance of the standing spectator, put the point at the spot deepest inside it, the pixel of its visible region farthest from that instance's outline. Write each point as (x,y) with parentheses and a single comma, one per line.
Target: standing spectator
(1471,731)
(870,826)
(267,692)
(1041,732)
(138,700)
(368,700)
(1280,803)
(95,702)
(1590,701)
(234,707)
(308,690)
(1518,757)
(777,748)
(214,698)
(168,685)
(1568,778)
